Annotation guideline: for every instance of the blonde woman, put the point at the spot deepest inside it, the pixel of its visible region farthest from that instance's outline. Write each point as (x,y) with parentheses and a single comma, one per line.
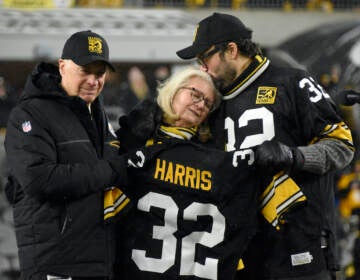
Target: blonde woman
(194,207)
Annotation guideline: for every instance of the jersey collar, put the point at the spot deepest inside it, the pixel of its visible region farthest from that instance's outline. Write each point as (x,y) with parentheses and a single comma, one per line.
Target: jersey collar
(255,69)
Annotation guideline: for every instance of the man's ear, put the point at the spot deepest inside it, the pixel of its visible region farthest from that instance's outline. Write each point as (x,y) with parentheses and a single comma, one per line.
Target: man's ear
(61,65)
(232,50)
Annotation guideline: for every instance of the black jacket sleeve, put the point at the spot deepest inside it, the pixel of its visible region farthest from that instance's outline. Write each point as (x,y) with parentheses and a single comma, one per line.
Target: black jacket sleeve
(33,160)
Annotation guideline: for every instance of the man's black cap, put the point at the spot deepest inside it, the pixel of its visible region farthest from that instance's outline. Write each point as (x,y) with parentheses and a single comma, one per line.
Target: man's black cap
(85,47)
(215,29)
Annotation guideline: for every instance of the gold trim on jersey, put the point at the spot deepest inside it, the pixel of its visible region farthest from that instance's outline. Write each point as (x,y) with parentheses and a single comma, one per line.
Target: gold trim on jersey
(279,196)
(173,132)
(114,201)
(240,265)
(261,63)
(339,131)
(115,143)
(179,132)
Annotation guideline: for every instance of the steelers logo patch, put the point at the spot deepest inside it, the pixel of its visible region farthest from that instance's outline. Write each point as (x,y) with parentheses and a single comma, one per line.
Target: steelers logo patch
(95,45)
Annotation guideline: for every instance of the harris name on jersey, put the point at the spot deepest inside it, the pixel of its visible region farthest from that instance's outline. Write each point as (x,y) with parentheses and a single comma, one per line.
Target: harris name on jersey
(182,175)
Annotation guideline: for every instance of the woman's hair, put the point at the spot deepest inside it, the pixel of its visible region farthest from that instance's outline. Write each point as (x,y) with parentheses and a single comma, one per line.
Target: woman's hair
(168,89)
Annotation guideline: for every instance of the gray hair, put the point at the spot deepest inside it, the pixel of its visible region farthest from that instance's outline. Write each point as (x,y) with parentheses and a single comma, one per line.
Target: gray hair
(168,89)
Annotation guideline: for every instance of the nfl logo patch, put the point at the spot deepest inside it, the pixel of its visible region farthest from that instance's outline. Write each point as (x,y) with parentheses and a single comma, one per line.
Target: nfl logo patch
(26,126)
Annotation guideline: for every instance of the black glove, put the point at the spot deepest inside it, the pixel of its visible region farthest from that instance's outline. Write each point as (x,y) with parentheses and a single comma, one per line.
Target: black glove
(276,156)
(347,97)
(139,125)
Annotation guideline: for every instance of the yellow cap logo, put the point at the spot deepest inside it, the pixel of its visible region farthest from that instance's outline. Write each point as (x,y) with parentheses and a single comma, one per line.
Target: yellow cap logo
(266,95)
(195,33)
(95,45)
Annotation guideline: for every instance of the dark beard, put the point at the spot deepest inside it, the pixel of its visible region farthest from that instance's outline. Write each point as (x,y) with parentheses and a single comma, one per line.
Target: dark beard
(218,83)
(223,82)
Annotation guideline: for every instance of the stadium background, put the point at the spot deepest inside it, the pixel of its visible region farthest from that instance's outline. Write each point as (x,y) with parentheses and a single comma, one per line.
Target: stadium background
(147,33)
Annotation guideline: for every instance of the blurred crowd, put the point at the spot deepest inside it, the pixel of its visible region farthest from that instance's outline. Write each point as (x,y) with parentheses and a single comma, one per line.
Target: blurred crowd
(8,252)
(122,93)
(323,5)
(348,204)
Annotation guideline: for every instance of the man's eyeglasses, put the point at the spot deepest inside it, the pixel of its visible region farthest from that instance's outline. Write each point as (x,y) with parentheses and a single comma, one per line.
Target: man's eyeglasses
(197,96)
(202,57)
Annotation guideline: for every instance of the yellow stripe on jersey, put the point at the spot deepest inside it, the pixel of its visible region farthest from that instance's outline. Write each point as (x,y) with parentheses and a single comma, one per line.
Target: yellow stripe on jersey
(179,132)
(173,132)
(150,142)
(115,143)
(280,195)
(114,201)
(240,265)
(339,131)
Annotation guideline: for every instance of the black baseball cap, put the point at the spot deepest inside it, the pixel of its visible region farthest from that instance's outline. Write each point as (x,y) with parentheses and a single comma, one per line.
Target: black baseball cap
(215,29)
(85,47)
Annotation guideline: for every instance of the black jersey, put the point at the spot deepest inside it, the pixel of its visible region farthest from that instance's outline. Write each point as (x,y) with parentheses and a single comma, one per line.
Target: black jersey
(280,103)
(195,213)
(289,106)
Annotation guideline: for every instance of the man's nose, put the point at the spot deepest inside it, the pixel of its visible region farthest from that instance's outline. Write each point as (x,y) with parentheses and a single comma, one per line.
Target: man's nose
(93,79)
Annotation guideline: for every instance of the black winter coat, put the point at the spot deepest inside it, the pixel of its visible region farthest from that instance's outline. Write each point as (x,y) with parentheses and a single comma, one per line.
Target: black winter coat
(58,157)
